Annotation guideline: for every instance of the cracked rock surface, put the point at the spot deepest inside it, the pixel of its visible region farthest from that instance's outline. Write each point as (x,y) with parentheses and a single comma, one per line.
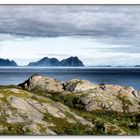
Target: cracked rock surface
(46,106)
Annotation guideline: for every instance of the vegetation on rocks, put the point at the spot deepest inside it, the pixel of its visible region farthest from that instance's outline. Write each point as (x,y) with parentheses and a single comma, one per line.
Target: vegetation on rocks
(45,106)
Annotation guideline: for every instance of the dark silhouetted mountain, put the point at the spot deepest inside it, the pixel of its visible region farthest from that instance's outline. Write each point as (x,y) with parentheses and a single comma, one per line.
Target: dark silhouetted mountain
(7,62)
(137,66)
(71,61)
(45,62)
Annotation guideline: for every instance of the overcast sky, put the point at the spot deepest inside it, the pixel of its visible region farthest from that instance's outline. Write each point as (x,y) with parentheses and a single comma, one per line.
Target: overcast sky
(97,34)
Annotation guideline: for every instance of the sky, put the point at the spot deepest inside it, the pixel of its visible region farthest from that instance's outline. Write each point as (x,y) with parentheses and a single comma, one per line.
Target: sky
(97,34)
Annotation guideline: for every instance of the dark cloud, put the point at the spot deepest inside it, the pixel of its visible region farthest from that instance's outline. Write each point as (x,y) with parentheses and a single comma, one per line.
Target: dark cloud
(62,20)
(115,24)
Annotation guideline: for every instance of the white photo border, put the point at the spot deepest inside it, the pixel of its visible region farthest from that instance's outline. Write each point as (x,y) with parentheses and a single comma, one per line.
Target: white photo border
(69,1)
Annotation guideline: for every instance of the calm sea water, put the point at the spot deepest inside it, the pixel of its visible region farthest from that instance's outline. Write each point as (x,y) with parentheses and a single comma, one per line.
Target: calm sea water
(119,76)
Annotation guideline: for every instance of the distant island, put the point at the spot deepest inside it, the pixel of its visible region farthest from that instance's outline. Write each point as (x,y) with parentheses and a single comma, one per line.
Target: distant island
(137,66)
(71,62)
(102,66)
(7,62)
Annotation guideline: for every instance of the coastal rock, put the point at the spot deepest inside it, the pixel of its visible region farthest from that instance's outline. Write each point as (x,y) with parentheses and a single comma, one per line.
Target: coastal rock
(121,100)
(43,84)
(45,106)
(76,85)
(91,96)
(26,109)
(23,112)
(54,111)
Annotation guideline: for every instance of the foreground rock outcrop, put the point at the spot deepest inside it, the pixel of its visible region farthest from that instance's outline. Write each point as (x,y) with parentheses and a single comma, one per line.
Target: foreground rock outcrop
(40,83)
(92,96)
(34,115)
(46,106)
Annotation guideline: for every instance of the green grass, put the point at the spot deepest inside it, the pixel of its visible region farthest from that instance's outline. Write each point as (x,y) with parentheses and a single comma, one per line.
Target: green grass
(62,127)
(99,118)
(122,120)
(8,86)
(70,100)
(41,99)
(14,129)
(125,121)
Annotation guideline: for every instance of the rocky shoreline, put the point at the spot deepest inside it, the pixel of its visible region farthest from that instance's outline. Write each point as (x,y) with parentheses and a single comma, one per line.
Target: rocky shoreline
(93,96)
(46,106)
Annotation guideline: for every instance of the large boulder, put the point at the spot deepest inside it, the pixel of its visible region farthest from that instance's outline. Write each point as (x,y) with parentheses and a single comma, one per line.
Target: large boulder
(77,85)
(92,96)
(111,98)
(40,83)
(25,108)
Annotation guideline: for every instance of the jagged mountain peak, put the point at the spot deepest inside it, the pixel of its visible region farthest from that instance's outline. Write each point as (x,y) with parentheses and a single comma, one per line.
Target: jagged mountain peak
(46,61)
(7,62)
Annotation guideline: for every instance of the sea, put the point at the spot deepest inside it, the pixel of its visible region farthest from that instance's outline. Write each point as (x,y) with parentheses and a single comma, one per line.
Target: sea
(125,76)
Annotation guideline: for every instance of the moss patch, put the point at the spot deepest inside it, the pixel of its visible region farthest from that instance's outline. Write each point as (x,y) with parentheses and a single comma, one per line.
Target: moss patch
(13,129)
(62,127)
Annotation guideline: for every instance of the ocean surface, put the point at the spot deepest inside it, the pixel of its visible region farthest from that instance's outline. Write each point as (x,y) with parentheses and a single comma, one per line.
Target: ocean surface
(126,76)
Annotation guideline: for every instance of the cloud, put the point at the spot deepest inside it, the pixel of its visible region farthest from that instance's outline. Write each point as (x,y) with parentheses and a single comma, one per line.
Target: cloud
(115,27)
(73,20)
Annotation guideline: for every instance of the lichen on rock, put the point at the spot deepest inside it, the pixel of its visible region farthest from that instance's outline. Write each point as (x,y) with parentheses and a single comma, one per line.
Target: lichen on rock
(46,106)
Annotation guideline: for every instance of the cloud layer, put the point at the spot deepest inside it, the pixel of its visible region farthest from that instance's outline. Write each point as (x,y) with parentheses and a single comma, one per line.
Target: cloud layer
(119,21)
(115,27)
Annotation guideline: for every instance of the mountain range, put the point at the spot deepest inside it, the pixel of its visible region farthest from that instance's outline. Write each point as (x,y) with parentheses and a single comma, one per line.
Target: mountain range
(7,62)
(71,62)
